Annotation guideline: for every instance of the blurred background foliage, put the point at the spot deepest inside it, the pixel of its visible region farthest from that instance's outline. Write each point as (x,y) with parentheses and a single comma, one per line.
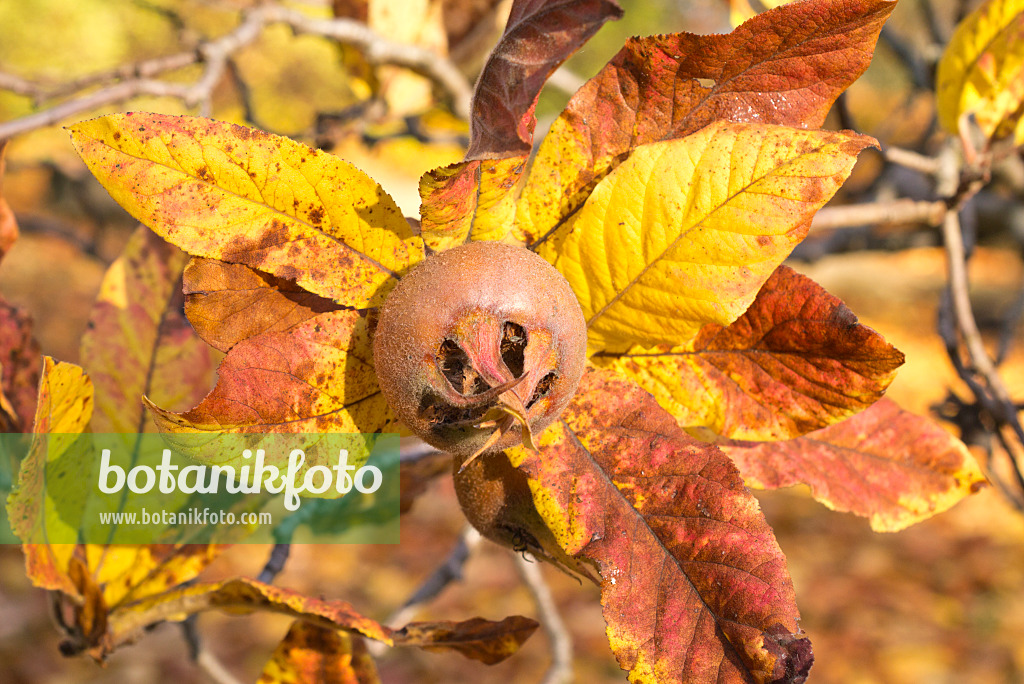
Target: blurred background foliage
(941,602)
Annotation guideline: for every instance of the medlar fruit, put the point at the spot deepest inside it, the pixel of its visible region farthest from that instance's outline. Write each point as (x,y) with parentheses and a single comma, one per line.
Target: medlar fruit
(476,341)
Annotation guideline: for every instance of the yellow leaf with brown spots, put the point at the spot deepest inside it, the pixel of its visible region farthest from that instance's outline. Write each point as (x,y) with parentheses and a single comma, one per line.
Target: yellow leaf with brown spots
(685,232)
(243,196)
(312,653)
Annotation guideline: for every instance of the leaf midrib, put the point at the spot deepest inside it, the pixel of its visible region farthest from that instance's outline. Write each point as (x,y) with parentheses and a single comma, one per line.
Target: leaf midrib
(391,273)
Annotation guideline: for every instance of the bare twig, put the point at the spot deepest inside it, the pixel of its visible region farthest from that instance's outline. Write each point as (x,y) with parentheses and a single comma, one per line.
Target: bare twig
(900,211)
(141,78)
(275,563)
(912,160)
(447,572)
(979,371)
(450,570)
(214,669)
(560,671)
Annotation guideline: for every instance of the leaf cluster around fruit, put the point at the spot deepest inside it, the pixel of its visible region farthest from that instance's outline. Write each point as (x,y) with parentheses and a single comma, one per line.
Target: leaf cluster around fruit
(664,200)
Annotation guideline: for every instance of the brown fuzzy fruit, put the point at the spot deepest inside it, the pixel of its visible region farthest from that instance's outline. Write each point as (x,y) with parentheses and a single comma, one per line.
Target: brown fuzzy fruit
(479,347)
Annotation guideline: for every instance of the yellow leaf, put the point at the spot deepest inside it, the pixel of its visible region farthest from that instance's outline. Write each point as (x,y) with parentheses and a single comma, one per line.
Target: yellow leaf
(45,508)
(686,231)
(240,195)
(982,71)
(741,10)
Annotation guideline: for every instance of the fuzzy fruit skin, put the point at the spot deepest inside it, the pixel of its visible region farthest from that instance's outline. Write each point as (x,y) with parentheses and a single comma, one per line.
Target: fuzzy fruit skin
(466,294)
(496,498)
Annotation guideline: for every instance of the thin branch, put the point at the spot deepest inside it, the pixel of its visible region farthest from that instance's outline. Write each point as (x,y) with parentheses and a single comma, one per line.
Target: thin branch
(139,79)
(214,669)
(912,160)
(450,570)
(561,670)
(379,50)
(275,563)
(979,371)
(900,211)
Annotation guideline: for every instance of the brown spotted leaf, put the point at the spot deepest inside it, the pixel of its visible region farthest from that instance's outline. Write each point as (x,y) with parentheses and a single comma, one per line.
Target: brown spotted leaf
(316,377)
(138,343)
(693,584)
(238,596)
(484,640)
(20,364)
(476,198)
(785,66)
(227,303)
(253,198)
(796,361)
(889,465)
(312,653)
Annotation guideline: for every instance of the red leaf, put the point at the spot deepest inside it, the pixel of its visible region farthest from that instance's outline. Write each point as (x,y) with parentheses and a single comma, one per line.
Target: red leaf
(693,583)
(20,366)
(887,464)
(539,35)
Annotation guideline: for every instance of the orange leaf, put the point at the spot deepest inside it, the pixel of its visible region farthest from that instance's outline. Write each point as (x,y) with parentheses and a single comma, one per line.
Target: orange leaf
(796,361)
(138,343)
(785,66)
(693,584)
(311,653)
(253,198)
(316,377)
(470,200)
(479,639)
(886,464)
(227,303)
(8,225)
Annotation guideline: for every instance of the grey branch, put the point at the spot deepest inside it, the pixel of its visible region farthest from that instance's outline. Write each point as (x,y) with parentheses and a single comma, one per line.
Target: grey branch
(142,78)
(560,671)
(900,211)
